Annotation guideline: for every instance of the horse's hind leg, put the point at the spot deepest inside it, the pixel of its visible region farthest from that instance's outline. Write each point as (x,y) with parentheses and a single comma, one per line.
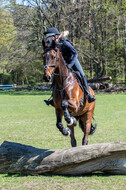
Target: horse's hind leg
(85,123)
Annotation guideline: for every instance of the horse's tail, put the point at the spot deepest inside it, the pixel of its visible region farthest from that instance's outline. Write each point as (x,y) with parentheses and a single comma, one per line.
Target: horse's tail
(93,127)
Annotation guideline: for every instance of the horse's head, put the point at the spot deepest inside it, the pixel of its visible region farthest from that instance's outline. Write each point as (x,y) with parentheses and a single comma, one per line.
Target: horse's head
(50,59)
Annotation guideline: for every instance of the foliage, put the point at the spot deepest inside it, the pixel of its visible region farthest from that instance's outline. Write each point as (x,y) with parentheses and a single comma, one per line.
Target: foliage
(5,78)
(97,30)
(7,35)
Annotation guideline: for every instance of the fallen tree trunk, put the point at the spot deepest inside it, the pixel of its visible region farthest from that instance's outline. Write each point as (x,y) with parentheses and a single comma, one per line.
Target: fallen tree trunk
(99,85)
(22,159)
(99,79)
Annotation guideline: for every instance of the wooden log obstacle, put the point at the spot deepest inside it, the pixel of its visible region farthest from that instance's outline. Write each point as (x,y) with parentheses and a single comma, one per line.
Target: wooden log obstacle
(16,158)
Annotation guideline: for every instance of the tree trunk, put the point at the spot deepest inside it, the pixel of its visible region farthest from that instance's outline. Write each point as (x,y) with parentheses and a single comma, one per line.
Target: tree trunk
(125,48)
(22,159)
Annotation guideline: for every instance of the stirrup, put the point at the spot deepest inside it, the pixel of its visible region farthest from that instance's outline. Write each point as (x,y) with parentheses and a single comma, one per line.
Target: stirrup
(90,98)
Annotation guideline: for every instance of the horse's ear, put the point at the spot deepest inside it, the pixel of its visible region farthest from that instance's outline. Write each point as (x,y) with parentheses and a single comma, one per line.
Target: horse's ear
(43,43)
(53,44)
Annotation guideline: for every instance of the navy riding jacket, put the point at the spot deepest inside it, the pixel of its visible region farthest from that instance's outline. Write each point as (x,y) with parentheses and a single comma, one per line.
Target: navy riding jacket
(68,52)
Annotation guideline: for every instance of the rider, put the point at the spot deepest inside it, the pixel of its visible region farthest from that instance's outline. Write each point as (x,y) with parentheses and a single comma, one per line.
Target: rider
(70,56)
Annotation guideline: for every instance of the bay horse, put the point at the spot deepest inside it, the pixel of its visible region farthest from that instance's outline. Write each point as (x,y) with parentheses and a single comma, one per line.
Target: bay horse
(67,95)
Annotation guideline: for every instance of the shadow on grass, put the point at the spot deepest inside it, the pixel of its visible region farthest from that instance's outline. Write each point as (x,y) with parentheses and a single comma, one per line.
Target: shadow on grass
(97,174)
(16,175)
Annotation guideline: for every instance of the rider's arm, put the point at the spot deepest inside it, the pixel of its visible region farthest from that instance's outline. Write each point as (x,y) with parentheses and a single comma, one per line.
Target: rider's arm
(71,51)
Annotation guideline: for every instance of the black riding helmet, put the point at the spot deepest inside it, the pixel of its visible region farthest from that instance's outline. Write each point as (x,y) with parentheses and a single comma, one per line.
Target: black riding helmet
(51,32)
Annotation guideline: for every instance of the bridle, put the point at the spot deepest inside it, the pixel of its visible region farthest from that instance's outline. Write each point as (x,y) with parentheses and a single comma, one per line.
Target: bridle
(46,67)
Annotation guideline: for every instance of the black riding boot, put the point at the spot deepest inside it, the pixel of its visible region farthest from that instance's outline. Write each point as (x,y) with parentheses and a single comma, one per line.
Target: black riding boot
(49,102)
(89,97)
(77,67)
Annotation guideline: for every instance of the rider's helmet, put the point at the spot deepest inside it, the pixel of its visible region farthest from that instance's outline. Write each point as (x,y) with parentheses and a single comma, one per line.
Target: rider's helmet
(51,32)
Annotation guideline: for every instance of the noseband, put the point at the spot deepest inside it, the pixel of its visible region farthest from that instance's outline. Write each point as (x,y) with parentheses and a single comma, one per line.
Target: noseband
(46,67)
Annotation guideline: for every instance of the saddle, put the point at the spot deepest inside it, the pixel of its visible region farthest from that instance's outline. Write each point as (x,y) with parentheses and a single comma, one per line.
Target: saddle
(79,80)
(81,84)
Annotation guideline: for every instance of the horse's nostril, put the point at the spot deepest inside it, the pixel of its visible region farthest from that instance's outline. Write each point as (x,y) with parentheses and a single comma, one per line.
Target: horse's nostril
(46,78)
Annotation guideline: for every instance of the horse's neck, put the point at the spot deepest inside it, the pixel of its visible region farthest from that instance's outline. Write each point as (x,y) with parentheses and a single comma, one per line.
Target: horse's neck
(62,66)
(62,71)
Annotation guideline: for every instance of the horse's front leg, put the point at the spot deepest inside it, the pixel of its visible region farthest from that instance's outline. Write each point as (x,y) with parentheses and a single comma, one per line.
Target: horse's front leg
(73,140)
(71,121)
(65,131)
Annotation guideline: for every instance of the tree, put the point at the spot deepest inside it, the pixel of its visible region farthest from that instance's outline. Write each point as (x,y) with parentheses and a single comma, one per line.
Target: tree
(95,27)
(7,35)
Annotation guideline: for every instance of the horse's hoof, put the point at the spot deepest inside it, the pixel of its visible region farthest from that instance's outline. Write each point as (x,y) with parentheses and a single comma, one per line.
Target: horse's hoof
(66,132)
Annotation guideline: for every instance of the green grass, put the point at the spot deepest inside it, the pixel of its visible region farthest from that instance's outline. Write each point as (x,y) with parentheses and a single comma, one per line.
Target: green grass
(24,118)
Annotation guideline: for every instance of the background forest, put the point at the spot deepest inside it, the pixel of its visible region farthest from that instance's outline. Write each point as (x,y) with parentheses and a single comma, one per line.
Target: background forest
(97,30)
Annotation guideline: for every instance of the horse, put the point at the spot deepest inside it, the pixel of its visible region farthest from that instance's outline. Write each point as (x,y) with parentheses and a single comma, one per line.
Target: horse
(69,100)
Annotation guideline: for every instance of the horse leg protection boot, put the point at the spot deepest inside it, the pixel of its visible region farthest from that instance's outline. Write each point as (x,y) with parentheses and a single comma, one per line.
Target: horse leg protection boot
(71,121)
(64,130)
(66,114)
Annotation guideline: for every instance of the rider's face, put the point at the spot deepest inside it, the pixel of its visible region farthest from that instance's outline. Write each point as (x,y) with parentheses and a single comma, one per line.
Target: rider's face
(53,37)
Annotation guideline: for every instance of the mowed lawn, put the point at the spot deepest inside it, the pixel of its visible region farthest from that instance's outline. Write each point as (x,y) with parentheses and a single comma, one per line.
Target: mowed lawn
(24,118)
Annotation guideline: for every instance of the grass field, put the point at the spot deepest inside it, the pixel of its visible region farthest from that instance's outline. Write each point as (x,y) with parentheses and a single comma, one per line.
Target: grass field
(24,118)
